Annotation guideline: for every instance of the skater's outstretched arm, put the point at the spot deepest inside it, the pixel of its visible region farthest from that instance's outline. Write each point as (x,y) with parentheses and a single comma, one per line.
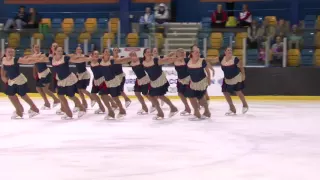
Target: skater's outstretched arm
(168,59)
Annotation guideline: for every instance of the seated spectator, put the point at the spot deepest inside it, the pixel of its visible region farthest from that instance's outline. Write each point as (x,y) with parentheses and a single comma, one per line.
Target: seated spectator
(245,17)
(33,19)
(294,39)
(161,14)
(282,29)
(277,52)
(253,35)
(147,19)
(219,17)
(19,21)
(266,32)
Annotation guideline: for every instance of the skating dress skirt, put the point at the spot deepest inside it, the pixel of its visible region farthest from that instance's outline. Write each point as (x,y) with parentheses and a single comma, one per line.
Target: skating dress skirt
(232,76)
(142,83)
(183,76)
(199,81)
(159,84)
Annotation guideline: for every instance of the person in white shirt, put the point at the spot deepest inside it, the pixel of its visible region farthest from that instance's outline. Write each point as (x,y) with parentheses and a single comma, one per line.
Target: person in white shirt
(161,13)
(245,17)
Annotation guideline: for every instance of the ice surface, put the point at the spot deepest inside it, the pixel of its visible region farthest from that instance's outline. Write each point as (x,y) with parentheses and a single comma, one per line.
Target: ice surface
(274,141)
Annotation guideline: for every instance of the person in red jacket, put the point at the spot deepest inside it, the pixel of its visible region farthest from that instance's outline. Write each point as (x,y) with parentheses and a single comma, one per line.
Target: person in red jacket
(219,17)
(245,17)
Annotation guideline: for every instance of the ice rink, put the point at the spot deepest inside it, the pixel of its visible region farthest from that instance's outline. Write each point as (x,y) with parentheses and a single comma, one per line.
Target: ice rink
(275,140)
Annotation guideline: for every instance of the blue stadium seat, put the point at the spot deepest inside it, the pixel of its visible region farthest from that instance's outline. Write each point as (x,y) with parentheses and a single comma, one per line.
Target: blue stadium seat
(226,38)
(307,57)
(79,24)
(308,39)
(103,23)
(56,23)
(310,18)
(252,57)
(206,20)
(309,24)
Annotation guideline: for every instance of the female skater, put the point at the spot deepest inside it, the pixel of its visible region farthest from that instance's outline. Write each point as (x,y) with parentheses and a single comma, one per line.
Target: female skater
(159,83)
(234,76)
(142,82)
(180,64)
(43,77)
(155,54)
(200,78)
(112,81)
(117,68)
(99,86)
(66,84)
(16,84)
(83,80)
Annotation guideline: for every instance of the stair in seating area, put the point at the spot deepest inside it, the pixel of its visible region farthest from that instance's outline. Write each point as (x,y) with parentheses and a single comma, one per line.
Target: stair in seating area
(181,35)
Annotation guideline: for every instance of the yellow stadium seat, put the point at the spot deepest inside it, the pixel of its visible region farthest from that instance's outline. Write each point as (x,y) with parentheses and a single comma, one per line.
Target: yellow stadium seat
(14,40)
(38,36)
(317,57)
(216,40)
(27,52)
(232,22)
(106,38)
(59,39)
(317,40)
(212,53)
(238,53)
(272,20)
(293,57)
(91,25)
(113,25)
(46,21)
(84,36)
(67,25)
(133,39)
(160,40)
(242,35)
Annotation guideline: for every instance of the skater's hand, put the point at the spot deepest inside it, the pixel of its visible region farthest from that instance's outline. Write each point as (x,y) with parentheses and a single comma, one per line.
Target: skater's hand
(209,81)
(243,77)
(4,79)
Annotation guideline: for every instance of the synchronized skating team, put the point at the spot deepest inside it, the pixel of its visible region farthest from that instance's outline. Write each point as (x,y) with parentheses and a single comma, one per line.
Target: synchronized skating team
(194,76)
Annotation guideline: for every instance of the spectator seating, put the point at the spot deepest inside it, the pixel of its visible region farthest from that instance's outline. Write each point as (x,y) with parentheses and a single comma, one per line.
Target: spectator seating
(27,52)
(317,40)
(252,57)
(133,40)
(216,40)
(160,40)
(294,57)
(232,22)
(226,39)
(56,23)
(310,21)
(272,20)
(59,39)
(239,39)
(317,57)
(39,36)
(46,21)
(103,23)
(318,23)
(307,57)
(238,53)
(212,53)
(14,40)
(79,24)
(108,38)
(113,25)
(67,25)
(90,25)
(84,36)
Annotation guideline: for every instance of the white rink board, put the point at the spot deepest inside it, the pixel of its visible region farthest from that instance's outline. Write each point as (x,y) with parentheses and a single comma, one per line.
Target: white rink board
(214,89)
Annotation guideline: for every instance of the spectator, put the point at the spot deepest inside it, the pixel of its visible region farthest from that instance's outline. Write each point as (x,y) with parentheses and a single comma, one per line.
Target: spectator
(19,21)
(295,39)
(253,35)
(33,19)
(245,17)
(219,17)
(161,14)
(266,32)
(282,28)
(147,19)
(277,52)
